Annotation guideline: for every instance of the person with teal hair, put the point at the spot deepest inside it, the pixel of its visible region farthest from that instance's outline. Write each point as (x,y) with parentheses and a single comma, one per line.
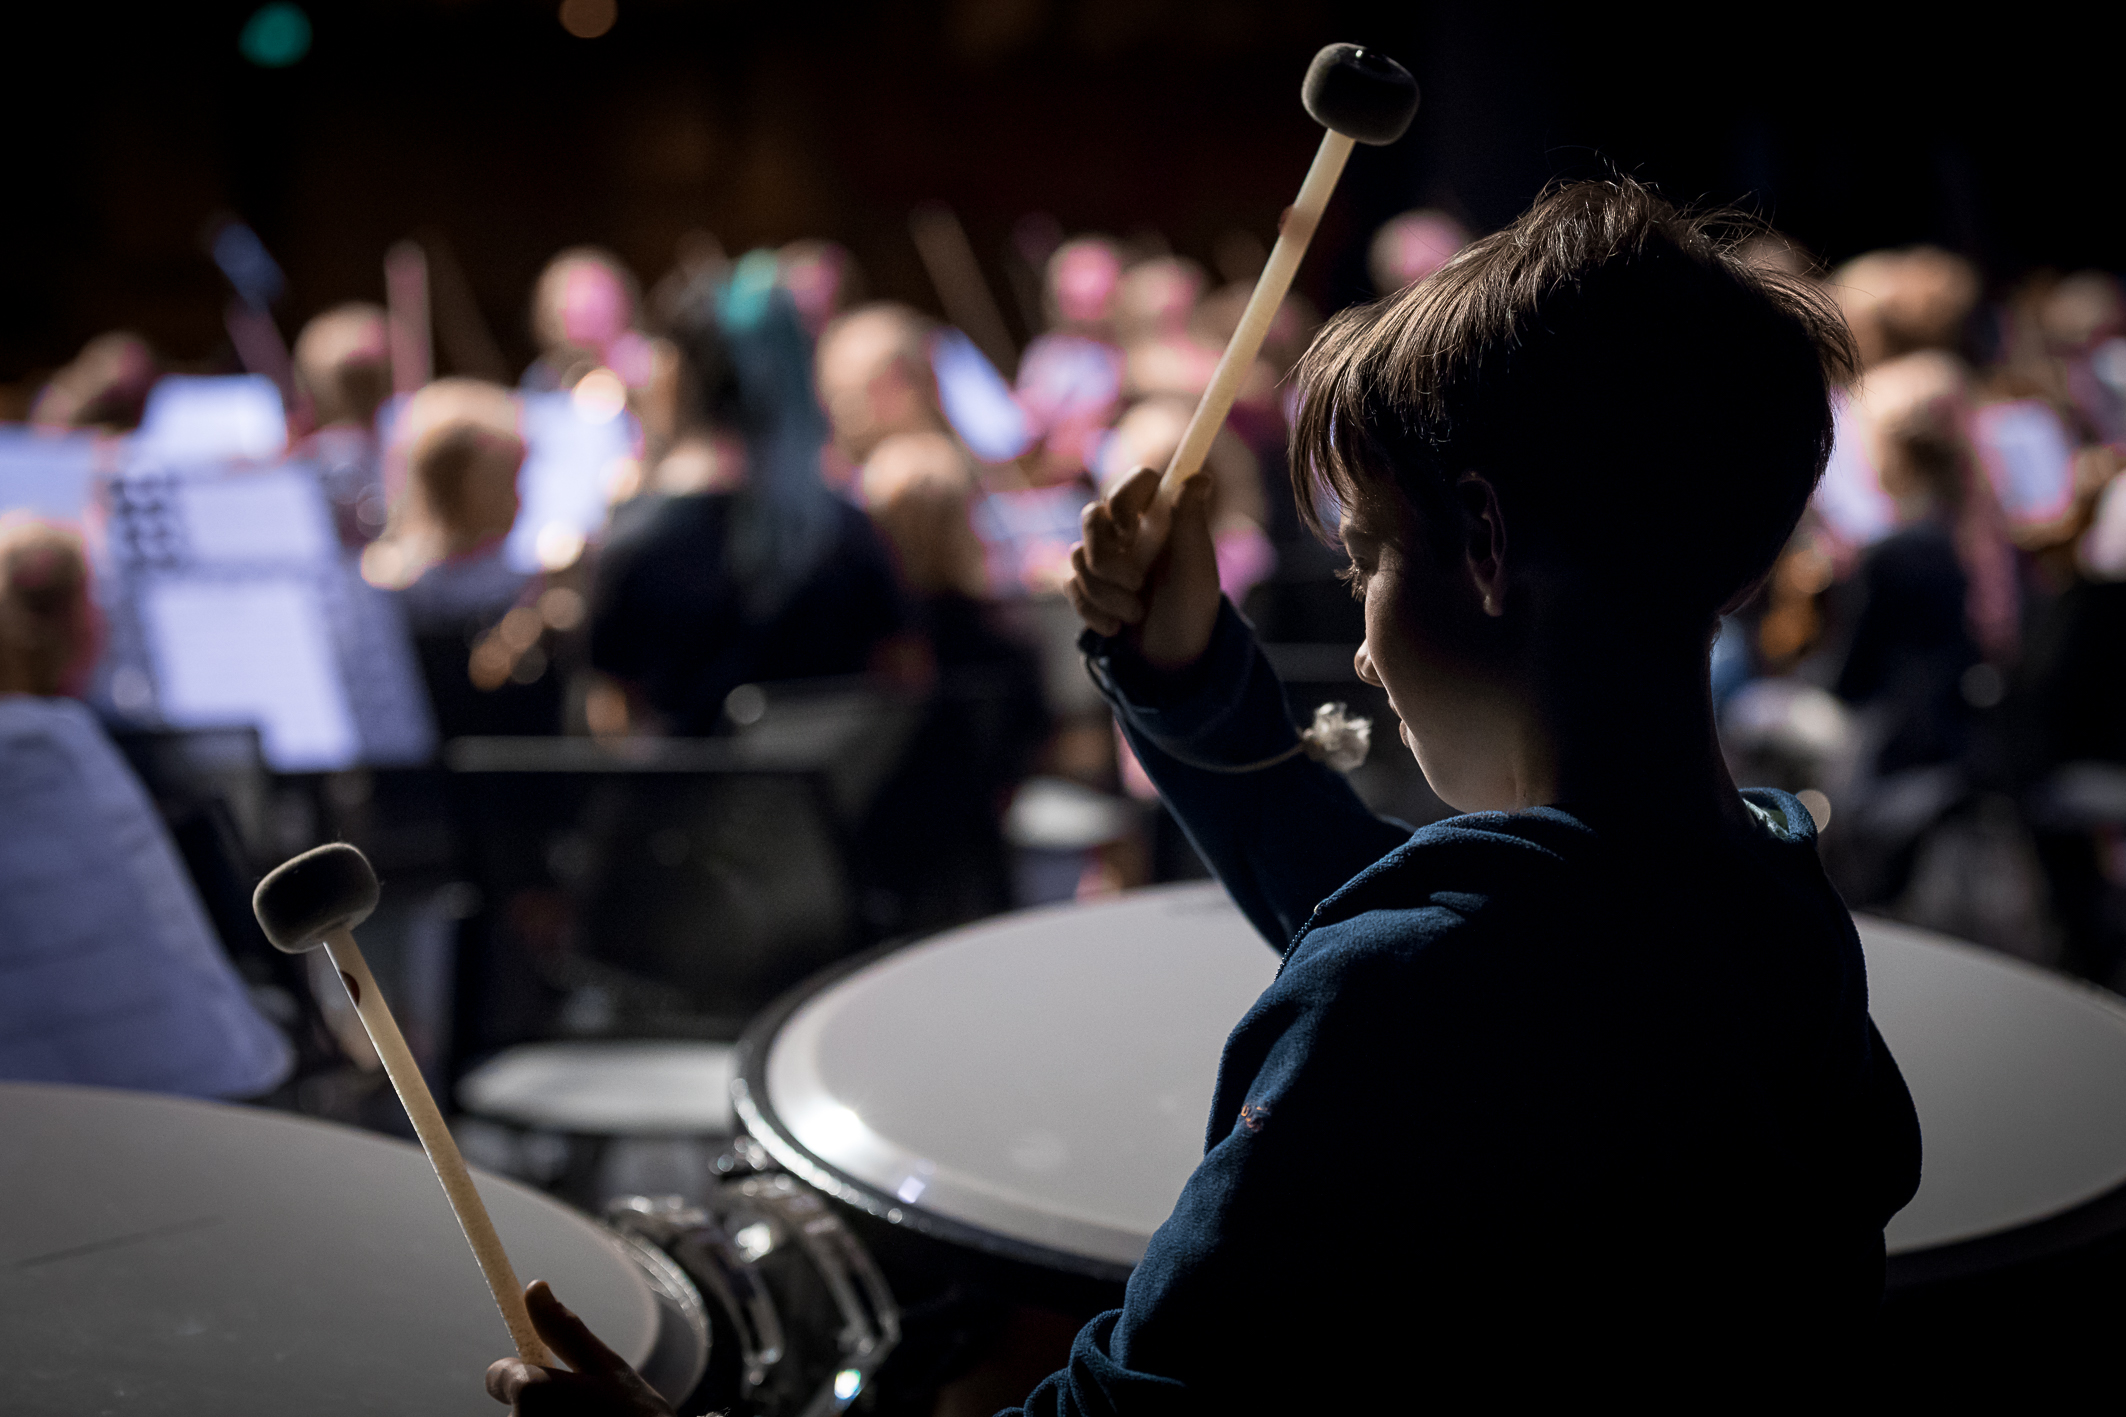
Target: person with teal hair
(757,571)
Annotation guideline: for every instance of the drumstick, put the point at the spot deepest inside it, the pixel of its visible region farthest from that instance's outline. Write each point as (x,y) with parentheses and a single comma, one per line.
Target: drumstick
(1359,96)
(318,898)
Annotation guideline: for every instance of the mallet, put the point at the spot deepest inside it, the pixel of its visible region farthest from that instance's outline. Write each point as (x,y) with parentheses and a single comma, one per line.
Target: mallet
(1360,96)
(317,899)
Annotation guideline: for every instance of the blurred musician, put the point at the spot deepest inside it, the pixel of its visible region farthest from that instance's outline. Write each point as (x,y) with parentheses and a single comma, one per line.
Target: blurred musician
(1923,614)
(875,381)
(1070,379)
(343,362)
(109,971)
(106,386)
(933,838)
(585,313)
(1410,247)
(822,278)
(744,567)
(476,619)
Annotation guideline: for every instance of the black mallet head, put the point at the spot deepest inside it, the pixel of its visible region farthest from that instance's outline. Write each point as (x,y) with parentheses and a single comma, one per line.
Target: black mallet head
(1360,93)
(306,898)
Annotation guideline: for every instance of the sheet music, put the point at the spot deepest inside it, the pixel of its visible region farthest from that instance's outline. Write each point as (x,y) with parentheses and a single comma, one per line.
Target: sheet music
(568,469)
(253,651)
(249,518)
(2029,457)
(1850,496)
(191,419)
(46,474)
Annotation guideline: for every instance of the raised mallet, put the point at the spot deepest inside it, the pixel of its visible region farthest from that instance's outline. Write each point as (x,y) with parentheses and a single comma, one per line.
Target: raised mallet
(317,899)
(1360,96)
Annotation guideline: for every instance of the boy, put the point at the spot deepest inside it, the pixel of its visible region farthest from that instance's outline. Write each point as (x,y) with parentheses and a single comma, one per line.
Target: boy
(1576,1093)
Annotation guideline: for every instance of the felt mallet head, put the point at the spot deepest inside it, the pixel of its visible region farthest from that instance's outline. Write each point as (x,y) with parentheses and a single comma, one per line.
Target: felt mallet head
(306,898)
(1360,93)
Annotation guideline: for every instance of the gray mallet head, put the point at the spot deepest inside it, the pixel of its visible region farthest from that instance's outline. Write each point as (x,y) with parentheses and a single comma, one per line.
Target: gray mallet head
(306,898)
(1360,93)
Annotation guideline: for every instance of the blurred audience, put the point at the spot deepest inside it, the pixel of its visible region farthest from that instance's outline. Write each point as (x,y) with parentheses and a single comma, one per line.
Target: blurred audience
(110,974)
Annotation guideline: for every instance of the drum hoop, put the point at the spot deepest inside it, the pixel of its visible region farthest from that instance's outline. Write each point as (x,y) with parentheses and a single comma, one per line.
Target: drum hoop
(2089,1222)
(2101,1218)
(678,1299)
(2083,1224)
(756,1113)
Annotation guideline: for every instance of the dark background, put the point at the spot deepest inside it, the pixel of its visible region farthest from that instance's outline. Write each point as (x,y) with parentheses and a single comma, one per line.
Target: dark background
(485,123)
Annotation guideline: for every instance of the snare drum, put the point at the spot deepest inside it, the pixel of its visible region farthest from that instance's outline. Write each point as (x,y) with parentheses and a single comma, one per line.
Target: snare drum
(1035,1086)
(159,1255)
(801,1317)
(593,1119)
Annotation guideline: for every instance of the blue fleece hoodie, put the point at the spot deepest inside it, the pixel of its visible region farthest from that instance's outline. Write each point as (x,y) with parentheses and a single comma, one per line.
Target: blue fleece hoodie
(1531,1106)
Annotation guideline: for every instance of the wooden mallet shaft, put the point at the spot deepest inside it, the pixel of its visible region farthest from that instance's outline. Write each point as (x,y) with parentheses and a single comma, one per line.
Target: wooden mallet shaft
(1358,96)
(436,1140)
(318,898)
(1271,286)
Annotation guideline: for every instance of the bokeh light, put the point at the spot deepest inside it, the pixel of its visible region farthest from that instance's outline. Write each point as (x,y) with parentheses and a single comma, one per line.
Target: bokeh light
(599,396)
(278,35)
(587,19)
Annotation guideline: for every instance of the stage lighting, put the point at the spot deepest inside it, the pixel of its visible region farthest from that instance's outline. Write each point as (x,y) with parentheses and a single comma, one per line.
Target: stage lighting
(278,35)
(587,19)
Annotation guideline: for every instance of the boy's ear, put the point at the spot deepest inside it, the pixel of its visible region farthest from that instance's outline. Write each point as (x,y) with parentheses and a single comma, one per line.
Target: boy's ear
(1484,540)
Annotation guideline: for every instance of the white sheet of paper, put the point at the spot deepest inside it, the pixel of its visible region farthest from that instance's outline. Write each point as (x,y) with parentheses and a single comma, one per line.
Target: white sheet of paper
(46,474)
(568,469)
(210,419)
(1850,496)
(252,651)
(246,518)
(2029,456)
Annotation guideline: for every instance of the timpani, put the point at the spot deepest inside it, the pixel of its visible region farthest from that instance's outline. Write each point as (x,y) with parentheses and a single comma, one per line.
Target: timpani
(166,1256)
(1034,1087)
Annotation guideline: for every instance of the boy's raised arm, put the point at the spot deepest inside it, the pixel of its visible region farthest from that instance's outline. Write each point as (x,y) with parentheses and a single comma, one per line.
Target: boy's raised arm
(1206,714)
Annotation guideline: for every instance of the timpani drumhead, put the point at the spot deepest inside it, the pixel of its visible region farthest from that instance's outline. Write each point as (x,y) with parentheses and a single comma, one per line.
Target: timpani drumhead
(1037,1085)
(2019,1076)
(159,1255)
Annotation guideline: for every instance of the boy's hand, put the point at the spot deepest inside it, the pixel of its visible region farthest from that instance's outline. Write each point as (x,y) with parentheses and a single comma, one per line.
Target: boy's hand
(1149,571)
(602,1385)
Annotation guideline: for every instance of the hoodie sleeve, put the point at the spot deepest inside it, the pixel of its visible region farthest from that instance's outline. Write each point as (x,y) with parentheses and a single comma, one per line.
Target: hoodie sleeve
(1280,837)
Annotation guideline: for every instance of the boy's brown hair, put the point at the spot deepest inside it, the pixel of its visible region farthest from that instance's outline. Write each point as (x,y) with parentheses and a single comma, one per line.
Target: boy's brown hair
(1652,408)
